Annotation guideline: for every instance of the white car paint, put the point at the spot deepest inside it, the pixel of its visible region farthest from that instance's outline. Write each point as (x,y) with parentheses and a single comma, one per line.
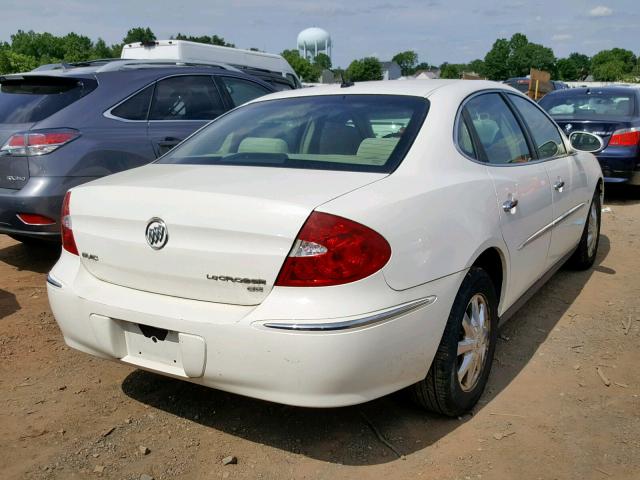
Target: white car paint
(439,211)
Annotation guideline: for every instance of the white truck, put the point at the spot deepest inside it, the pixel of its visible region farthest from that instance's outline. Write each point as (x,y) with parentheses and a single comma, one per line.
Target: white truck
(260,64)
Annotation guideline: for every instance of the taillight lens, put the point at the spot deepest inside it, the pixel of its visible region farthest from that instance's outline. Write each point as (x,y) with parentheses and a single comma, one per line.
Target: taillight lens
(68,242)
(38,142)
(332,250)
(626,137)
(35,219)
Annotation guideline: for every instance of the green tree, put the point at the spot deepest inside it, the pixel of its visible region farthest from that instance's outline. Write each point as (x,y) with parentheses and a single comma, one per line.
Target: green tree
(495,61)
(566,69)
(211,40)
(525,55)
(582,63)
(322,61)
(365,69)
(101,50)
(421,66)
(516,57)
(303,67)
(611,71)
(619,56)
(44,47)
(476,66)
(407,61)
(12,62)
(139,34)
(76,47)
(450,70)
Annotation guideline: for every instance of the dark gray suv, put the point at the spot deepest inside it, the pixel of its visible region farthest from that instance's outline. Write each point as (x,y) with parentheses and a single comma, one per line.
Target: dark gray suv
(72,124)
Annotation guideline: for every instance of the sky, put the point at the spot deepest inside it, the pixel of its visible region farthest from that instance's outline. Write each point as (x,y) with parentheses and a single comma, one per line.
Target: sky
(438,30)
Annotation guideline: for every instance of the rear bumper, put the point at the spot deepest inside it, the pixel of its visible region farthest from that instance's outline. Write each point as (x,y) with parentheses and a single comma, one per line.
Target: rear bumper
(230,347)
(42,196)
(620,169)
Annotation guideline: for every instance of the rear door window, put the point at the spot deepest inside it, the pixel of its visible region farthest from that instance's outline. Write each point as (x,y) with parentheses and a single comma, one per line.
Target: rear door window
(498,130)
(136,107)
(544,132)
(242,91)
(188,97)
(31,99)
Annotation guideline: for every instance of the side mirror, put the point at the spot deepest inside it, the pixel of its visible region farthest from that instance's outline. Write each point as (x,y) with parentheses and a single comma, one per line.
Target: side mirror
(586,142)
(548,149)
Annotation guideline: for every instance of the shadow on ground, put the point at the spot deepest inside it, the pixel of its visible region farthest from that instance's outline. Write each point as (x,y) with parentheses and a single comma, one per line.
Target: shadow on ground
(37,257)
(344,435)
(8,304)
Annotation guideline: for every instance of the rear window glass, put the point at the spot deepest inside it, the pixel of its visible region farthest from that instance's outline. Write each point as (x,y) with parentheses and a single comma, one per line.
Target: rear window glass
(332,132)
(31,99)
(593,105)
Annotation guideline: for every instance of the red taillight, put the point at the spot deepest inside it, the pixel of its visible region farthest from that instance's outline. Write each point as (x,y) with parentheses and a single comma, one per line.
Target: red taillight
(332,250)
(627,137)
(35,219)
(68,242)
(38,142)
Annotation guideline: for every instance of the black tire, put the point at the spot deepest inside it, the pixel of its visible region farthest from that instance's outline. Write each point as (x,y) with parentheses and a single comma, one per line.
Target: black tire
(441,391)
(583,257)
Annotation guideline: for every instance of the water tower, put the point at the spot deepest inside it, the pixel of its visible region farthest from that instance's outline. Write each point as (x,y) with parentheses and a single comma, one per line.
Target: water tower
(313,41)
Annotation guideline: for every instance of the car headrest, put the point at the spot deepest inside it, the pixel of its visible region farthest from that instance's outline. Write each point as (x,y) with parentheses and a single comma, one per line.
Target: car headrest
(377,150)
(486,129)
(263,145)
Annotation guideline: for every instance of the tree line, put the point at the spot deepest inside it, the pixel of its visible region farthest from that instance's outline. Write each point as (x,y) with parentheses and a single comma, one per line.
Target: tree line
(507,58)
(28,50)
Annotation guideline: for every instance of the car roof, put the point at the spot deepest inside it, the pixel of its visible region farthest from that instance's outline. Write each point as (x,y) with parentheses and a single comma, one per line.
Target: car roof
(609,89)
(417,88)
(140,71)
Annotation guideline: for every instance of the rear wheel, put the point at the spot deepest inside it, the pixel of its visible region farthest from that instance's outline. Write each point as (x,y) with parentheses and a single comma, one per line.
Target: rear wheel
(585,254)
(461,366)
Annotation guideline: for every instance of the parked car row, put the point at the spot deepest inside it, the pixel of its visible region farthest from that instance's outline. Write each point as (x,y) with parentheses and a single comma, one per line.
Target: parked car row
(317,247)
(66,126)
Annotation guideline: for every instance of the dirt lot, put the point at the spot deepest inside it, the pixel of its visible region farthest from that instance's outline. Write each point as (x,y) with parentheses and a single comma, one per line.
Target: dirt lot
(547,413)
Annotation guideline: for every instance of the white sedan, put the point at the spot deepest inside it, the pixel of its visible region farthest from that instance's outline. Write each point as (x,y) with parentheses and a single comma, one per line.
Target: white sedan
(327,246)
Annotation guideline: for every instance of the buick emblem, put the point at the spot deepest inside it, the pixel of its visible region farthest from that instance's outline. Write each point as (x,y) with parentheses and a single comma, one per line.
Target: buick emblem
(568,127)
(156,233)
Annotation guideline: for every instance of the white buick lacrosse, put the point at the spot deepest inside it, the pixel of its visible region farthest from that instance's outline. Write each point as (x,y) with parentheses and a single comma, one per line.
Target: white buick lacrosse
(327,246)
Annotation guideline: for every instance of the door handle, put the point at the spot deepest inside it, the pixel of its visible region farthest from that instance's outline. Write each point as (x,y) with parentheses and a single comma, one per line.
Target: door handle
(559,185)
(510,205)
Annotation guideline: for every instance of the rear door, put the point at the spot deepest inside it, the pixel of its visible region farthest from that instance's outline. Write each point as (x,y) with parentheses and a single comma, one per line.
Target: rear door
(182,104)
(567,177)
(523,192)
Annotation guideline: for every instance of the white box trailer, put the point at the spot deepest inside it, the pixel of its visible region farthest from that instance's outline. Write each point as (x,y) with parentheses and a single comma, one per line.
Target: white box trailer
(193,52)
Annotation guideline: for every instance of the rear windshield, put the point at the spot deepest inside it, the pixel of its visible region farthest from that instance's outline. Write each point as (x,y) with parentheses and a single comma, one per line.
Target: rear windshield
(369,133)
(592,105)
(31,99)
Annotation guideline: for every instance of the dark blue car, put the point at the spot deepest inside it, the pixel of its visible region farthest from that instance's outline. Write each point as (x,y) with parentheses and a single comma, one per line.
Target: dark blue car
(72,124)
(613,113)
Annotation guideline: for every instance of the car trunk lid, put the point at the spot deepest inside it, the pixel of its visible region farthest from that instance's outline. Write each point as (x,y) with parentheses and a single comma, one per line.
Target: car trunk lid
(229,228)
(603,129)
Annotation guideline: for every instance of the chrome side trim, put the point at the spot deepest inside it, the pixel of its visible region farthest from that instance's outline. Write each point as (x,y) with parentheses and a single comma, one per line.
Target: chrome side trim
(356,323)
(53,281)
(548,227)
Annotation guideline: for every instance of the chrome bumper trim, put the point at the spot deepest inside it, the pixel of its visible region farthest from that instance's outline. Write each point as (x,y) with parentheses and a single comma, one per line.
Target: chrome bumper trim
(548,227)
(53,281)
(356,323)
